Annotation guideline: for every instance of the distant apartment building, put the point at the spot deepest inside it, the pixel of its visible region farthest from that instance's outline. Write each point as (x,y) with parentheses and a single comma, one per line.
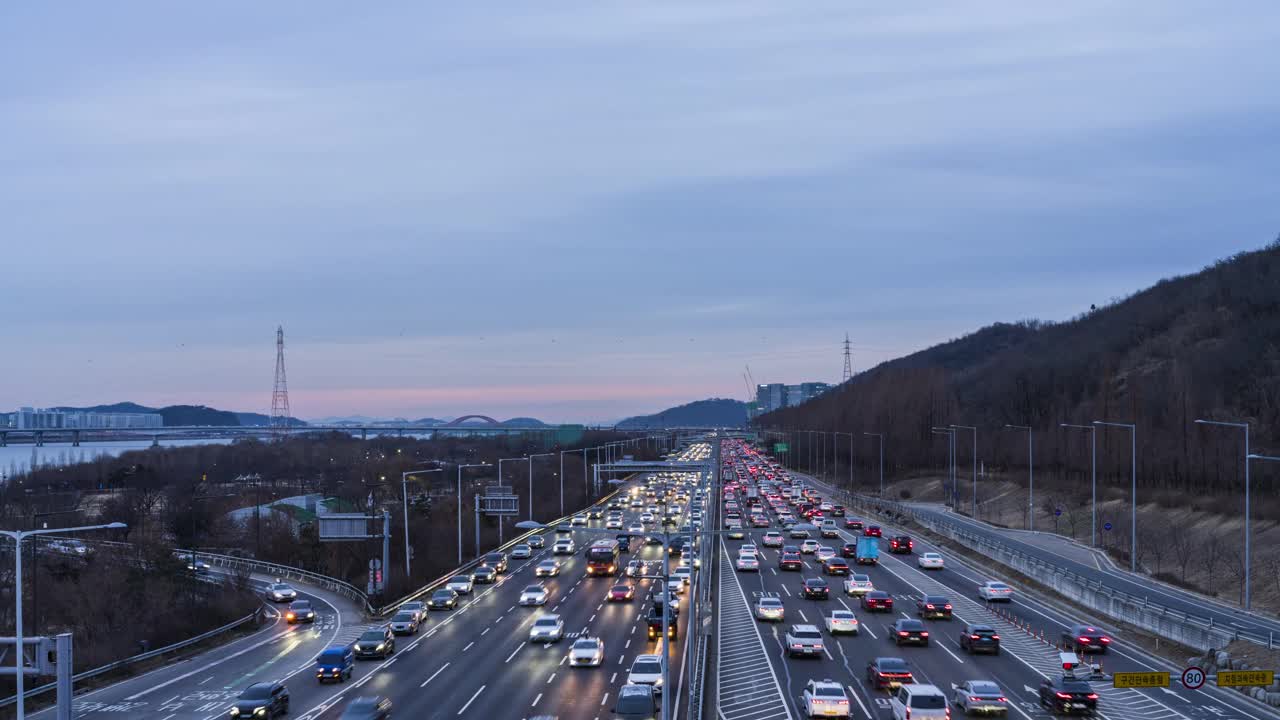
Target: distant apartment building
(775,396)
(40,419)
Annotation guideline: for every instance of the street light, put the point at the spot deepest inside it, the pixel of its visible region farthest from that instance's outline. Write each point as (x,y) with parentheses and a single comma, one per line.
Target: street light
(974,430)
(460,469)
(585,480)
(18,536)
(1133,493)
(1093,463)
(404,490)
(1031,504)
(950,432)
(530,458)
(833,453)
(881,436)
(1247,558)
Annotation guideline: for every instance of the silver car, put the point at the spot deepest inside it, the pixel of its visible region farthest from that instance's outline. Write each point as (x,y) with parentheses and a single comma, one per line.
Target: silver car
(547,568)
(534,595)
(404,623)
(461,584)
(417,607)
(587,652)
(547,629)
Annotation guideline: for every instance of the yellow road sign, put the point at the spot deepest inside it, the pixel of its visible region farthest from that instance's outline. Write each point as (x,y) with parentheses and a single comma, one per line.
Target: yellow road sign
(1244,678)
(1140,679)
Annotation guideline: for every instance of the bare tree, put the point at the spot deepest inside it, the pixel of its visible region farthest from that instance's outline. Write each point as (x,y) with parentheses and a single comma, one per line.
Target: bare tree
(1210,558)
(1183,546)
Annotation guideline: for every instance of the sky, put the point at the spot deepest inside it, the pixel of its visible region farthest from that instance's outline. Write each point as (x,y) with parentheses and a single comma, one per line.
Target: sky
(581,211)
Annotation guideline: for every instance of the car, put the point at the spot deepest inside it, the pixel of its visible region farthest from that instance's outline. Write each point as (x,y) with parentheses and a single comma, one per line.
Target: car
(404,623)
(692,557)
(376,643)
(797,533)
(919,702)
(910,632)
(547,629)
(770,609)
(995,591)
(578,521)
(685,574)
(417,607)
(877,600)
(443,599)
(804,641)
(281,592)
(933,607)
(858,584)
(595,513)
(829,529)
(613,524)
(824,553)
(336,662)
(564,529)
(979,637)
(815,588)
(636,528)
(790,561)
(888,672)
(495,560)
(300,611)
(1082,638)
(586,652)
(646,518)
(562,547)
(635,567)
(521,552)
(871,531)
(772,539)
(198,567)
(736,532)
(747,562)
(837,511)
(534,595)
(825,698)
(646,670)
(980,696)
(373,707)
(930,561)
(842,621)
(676,583)
(901,545)
(536,542)
(836,566)
(484,575)
(654,620)
(809,547)
(621,592)
(261,700)
(1068,696)
(849,550)
(461,584)
(852,524)
(635,702)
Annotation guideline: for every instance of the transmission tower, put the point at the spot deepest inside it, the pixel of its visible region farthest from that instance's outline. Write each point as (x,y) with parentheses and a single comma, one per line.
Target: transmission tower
(848,359)
(280,395)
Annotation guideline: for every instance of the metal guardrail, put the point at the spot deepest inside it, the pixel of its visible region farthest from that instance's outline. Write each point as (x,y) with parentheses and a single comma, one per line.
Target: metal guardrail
(252,617)
(341,587)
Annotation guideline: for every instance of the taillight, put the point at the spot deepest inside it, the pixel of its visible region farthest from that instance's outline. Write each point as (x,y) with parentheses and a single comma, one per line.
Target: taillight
(1092,696)
(930,607)
(974,699)
(947,606)
(975,637)
(924,634)
(1064,696)
(908,715)
(1106,640)
(995,637)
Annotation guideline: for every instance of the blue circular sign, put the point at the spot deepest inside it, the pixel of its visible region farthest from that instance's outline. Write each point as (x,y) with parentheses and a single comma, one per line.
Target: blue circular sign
(1057,511)
(1106,526)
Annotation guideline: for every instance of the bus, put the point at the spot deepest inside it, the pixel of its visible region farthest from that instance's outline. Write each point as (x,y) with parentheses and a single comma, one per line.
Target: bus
(602,558)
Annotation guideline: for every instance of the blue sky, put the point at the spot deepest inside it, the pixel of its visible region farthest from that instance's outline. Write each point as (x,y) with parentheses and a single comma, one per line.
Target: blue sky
(584,210)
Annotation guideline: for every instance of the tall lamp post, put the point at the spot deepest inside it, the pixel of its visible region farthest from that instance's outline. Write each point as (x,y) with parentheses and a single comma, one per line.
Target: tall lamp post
(460,469)
(1133,492)
(1031,477)
(404,491)
(530,458)
(1247,558)
(1093,472)
(879,435)
(585,476)
(974,430)
(18,536)
(950,432)
(833,452)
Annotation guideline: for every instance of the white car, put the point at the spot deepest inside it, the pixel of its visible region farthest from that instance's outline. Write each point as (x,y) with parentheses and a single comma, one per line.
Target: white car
(809,547)
(635,567)
(747,562)
(748,548)
(562,547)
(646,670)
(578,520)
(676,583)
(980,696)
(824,553)
(842,621)
(804,640)
(858,584)
(825,698)
(547,568)
(684,573)
(613,524)
(636,528)
(546,629)
(521,552)
(534,595)
(995,591)
(930,561)
(771,609)
(461,584)
(646,518)
(587,652)
(281,592)
(692,557)
(772,539)
(417,607)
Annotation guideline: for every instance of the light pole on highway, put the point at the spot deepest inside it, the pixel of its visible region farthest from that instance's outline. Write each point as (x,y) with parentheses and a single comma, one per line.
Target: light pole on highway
(1093,464)
(879,435)
(974,430)
(1133,493)
(1031,492)
(1244,426)
(460,469)
(404,490)
(18,536)
(585,476)
(500,518)
(836,434)
(531,457)
(950,432)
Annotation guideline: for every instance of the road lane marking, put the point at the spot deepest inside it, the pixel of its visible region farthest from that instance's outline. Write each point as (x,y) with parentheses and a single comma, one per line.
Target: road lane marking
(553,677)
(473,698)
(513,652)
(535,700)
(468,647)
(433,675)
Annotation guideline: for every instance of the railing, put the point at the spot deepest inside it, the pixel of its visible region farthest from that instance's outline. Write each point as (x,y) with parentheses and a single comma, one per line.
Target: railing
(118,664)
(334,585)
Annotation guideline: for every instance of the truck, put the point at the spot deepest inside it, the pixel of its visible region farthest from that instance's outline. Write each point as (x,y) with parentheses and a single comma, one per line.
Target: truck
(868,551)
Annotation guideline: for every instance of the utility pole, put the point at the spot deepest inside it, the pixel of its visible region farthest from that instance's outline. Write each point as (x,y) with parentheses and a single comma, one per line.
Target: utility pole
(974,430)
(1133,493)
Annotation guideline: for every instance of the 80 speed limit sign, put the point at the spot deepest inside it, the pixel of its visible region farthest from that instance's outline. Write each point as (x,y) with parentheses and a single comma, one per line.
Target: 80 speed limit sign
(1193,678)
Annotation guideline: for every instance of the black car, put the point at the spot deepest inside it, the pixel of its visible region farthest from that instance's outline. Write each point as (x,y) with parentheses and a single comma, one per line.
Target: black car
(484,575)
(635,702)
(1063,695)
(376,643)
(901,545)
(263,699)
(300,611)
(443,599)
(368,708)
(979,638)
(934,606)
(910,632)
(836,566)
(536,542)
(653,622)
(849,550)
(497,561)
(624,543)
(888,672)
(790,561)
(1086,638)
(816,589)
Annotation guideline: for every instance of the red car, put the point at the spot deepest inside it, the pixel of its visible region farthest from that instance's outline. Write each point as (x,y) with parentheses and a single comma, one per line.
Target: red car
(622,592)
(871,531)
(852,524)
(877,600)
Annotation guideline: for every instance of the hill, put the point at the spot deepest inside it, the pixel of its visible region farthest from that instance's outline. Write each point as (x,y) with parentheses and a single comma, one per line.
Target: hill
(185,415)
(716,412)
(1198,346)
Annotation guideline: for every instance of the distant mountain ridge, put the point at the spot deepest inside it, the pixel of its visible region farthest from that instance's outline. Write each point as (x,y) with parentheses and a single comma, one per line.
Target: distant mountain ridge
(715,412)
(186,415)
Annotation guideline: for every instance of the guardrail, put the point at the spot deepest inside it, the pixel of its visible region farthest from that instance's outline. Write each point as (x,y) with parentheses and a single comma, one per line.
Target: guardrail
(334,585)
(252,617)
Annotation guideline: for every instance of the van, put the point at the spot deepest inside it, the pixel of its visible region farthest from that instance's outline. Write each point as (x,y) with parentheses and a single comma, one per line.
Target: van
(336,662)
(919,702)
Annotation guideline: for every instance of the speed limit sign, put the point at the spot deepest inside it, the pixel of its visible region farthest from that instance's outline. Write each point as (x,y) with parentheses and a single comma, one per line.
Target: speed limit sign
(1192,678)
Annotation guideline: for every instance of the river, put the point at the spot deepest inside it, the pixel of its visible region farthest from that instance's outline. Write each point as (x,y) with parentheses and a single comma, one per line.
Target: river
(17,459)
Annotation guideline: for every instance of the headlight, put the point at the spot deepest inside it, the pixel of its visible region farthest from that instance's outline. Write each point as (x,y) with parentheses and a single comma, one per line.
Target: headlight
(381,646)
(260,712)
(235,712)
